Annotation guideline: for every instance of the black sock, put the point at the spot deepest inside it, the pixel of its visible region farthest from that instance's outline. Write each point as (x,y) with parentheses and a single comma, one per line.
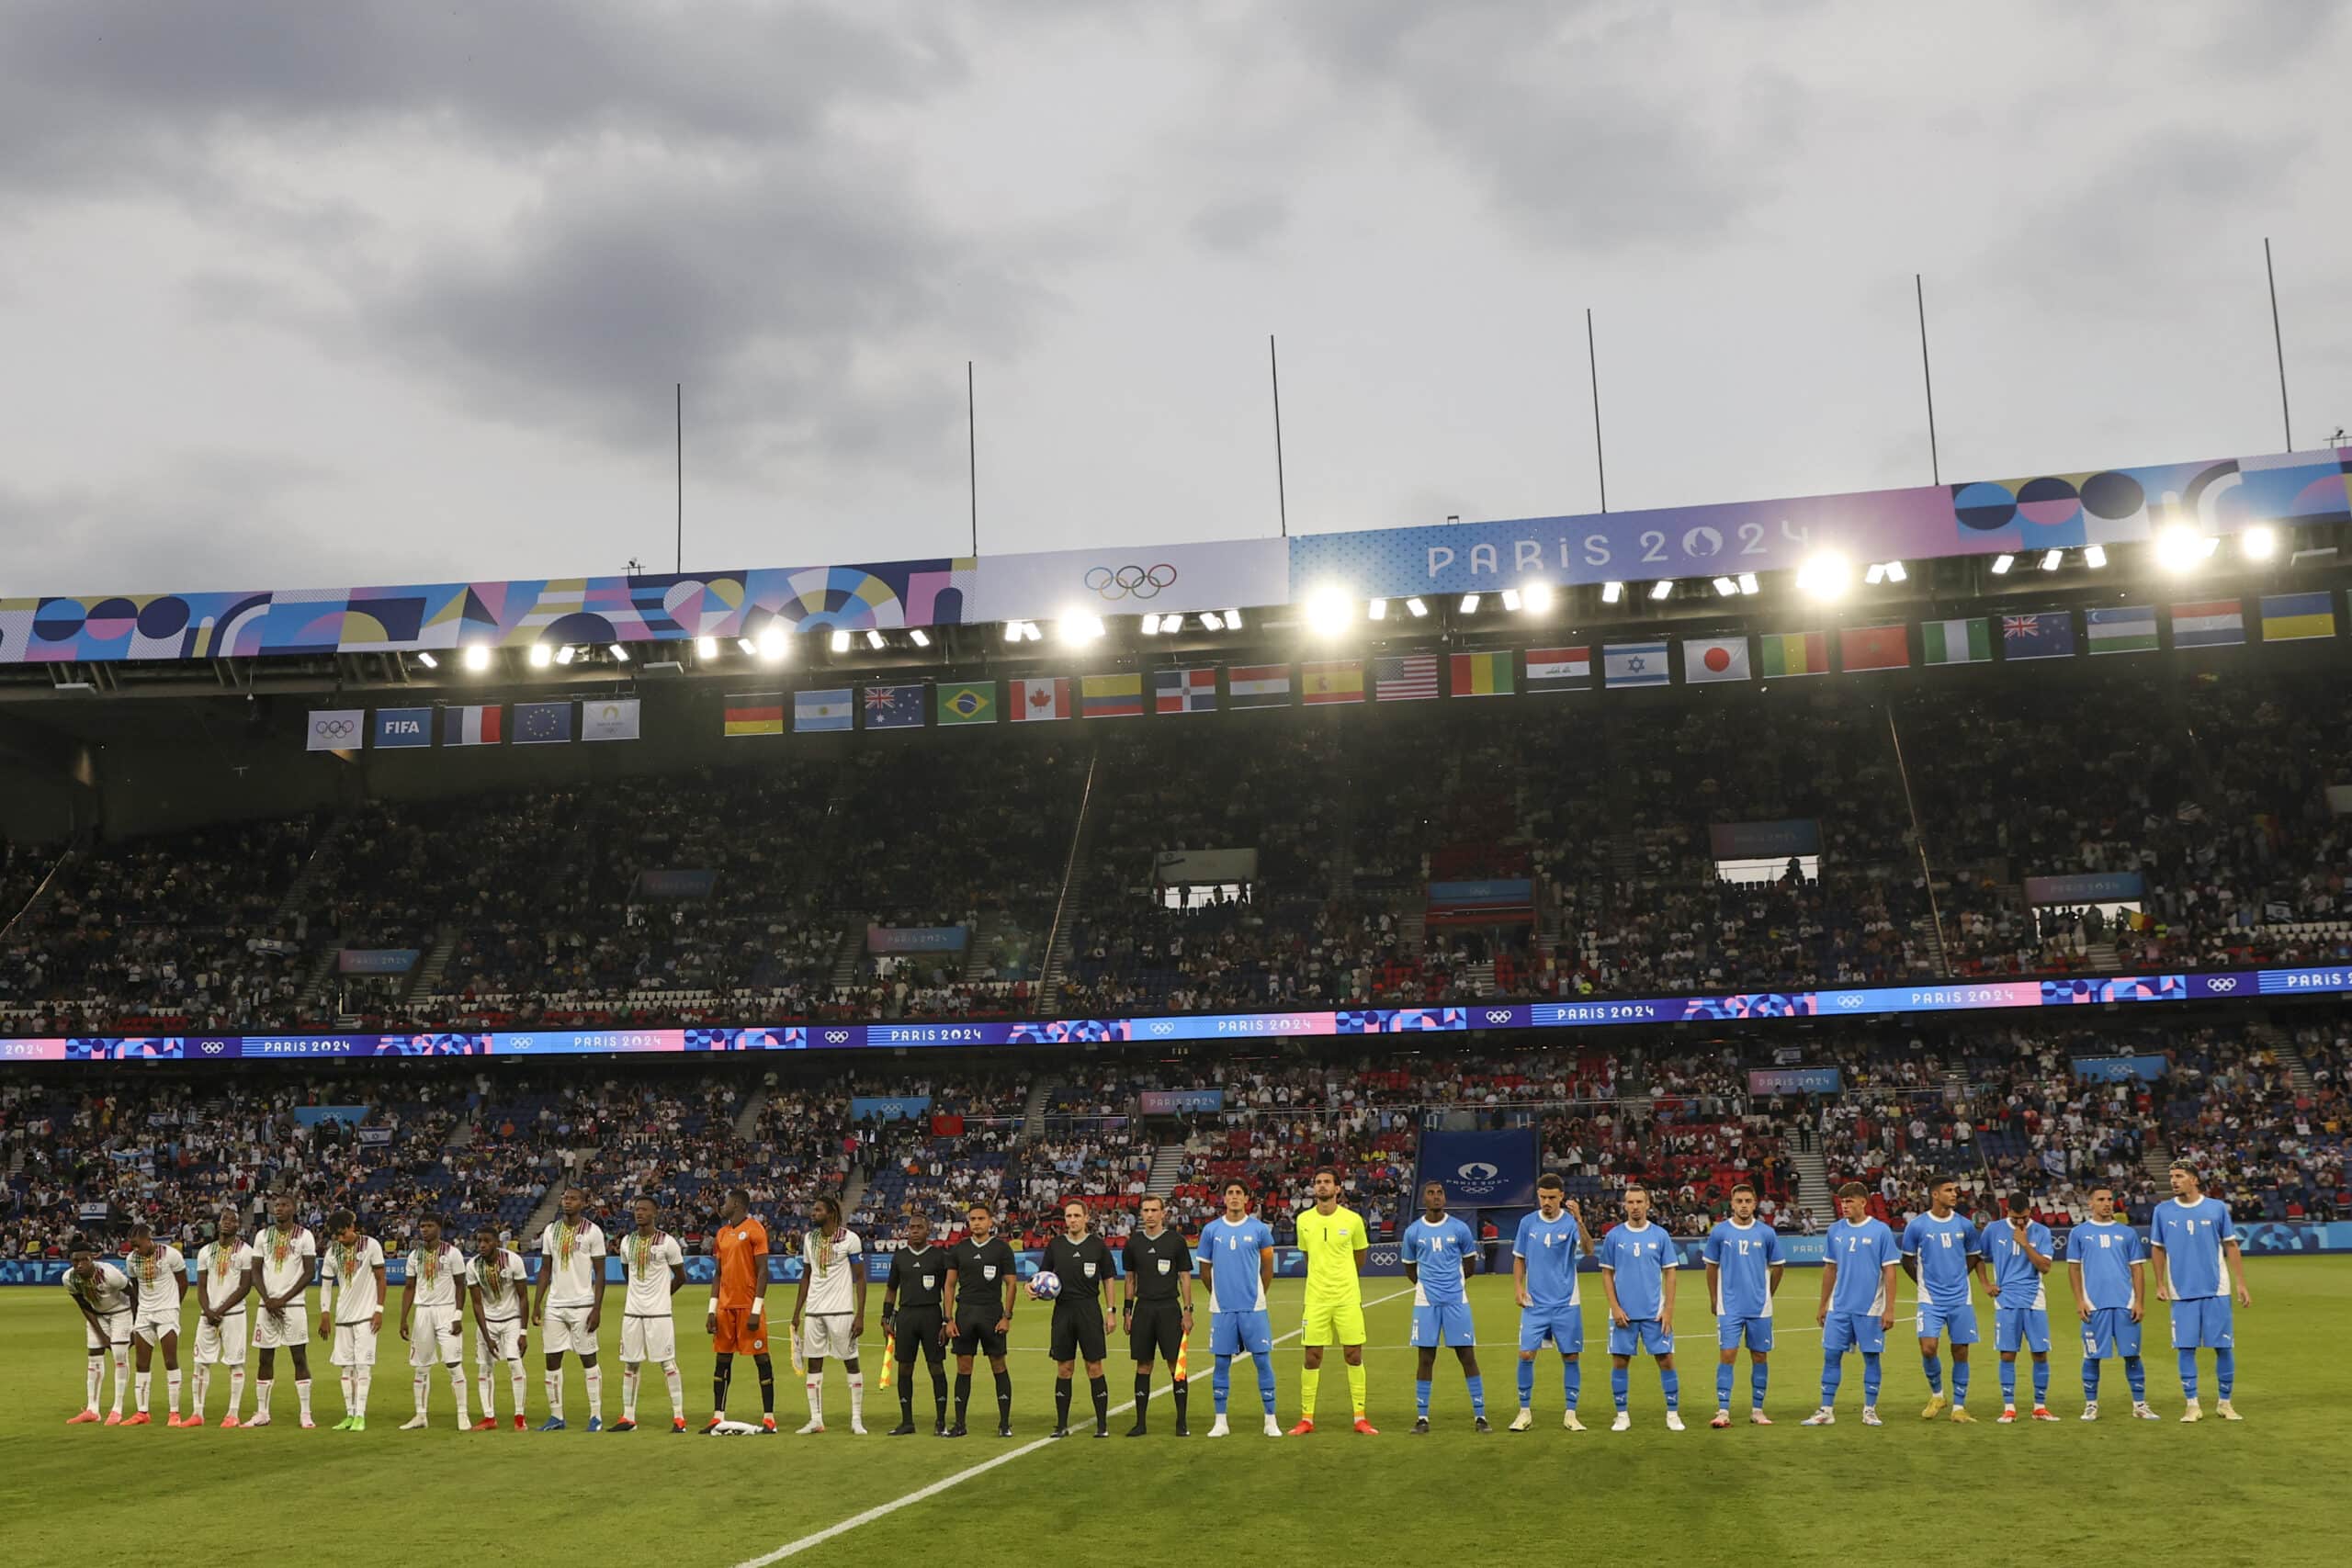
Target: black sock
(906,1393)
(767,1384)
(963,1395)
(1143,1397)
(1061,1402)
(1004,1399)
(1101,1387)
(721,1374)
(1182,1388)
(939,1392)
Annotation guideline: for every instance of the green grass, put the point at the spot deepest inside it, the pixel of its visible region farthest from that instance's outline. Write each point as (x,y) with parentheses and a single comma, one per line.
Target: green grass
(2270,1490)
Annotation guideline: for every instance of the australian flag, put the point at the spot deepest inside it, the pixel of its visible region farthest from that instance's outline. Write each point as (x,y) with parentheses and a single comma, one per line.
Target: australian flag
(893,707)
(2049,635)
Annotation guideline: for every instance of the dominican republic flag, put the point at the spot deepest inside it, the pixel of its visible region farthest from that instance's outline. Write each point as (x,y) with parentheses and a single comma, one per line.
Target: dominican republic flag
(1559,669)
(893,707)
(473,726)
(1407,678)
(817,711)
(1185,691)
(1258,685)
(2048,635)
(1706,658)
(1633,664)
(1110,696)
(2214,623)
(1032,701)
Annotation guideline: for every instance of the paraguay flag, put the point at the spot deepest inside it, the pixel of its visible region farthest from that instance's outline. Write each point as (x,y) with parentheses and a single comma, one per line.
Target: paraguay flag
(1185,691)
(2210,622)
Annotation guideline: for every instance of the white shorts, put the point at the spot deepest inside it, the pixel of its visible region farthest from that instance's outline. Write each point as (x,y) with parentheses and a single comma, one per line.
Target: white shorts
(151,1327)
(828,1336)
(354,1344)
(221,1344)
(503,1343)
(290,1326)
(648,1338)
(565,1328)
(436,1336)
(118,1331)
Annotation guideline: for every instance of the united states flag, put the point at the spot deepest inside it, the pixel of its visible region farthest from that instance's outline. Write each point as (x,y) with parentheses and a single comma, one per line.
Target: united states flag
(1407,677)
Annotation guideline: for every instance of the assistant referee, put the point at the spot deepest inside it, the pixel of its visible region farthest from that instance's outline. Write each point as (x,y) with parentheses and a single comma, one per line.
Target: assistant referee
(1159,1310)
(911,1305)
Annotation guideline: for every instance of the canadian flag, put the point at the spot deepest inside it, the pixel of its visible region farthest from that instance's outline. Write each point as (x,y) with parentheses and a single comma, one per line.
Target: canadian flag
(1044,699)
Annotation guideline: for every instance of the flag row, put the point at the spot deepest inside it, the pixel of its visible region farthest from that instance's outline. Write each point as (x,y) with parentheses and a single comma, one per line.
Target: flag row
(473,724)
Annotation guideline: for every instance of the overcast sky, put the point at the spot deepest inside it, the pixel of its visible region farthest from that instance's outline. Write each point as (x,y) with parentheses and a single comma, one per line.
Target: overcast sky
(382,290)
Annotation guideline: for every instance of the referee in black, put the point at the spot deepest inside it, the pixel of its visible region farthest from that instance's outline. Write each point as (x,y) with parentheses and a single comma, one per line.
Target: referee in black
(1158,1309)
(910,1306)
(980,1284)
(1081,1320)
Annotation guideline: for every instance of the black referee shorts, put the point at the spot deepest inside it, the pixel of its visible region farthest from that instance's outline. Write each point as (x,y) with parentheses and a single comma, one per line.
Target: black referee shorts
(1155,1331)
(917,1331)
(976,1332)
(1077,1330)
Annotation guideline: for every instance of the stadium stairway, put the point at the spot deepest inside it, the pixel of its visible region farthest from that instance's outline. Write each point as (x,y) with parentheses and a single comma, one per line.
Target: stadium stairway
(1167,1160)
(851,952)
(321,975)
(1479,978)
(2102,956)
(2282,1045)
(323,854)
(747,1120)
(427,980)
(1813,1176)
(1032,1113)
(43,894)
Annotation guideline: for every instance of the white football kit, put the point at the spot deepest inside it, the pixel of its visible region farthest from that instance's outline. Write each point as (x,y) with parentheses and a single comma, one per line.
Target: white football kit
(286,1258)
(573,1257)
(107,1295)
(219,1274)
(649,1329)
(435,1331)
(829,1316)
(154,1283)
(502,1279)
(352,1298)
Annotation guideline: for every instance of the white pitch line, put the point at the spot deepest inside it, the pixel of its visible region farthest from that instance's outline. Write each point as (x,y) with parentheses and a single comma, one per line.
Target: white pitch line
(881,1510)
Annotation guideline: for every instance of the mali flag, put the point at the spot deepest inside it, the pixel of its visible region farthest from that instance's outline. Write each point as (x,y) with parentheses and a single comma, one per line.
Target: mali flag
(972,701)
(1795,653)
(1485,674)
(755,713)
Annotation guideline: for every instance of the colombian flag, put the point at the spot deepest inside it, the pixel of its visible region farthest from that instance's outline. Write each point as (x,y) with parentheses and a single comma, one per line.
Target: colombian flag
(1110,696)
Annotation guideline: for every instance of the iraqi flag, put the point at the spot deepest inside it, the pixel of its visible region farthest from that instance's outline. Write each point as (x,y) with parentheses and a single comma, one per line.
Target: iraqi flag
(1559,669)
(1033,702)
(1185,691)
(1706,658)
(477,724)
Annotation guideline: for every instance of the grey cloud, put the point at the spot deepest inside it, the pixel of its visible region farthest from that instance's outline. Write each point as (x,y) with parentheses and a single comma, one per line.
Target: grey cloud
(1241,223)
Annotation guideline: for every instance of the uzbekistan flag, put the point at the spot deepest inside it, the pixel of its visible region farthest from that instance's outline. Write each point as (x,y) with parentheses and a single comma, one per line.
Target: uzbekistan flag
(1483,675)
(477,726)
(2129,628)
(755,713)
(1185,691)
(2211,623)
(1111,697)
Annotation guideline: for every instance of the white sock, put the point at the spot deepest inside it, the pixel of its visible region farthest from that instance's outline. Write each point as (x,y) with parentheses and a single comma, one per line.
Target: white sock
(857,1399)
(628,1393)
(261,1394)
(95,1380)
(816,1381)
(458,1392)
(302,1396)
(121,1377)
(359,1382)
(555,1396)
(203,1387)
(344,1378)
(172,1389)
(677,1389)
(520,1381)
(419,1384)
(482,1384)
(596,1394)
(139,1390)
(236,1388)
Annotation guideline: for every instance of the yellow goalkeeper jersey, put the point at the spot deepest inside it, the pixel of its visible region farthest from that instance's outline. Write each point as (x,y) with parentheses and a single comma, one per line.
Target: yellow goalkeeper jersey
(1330,1242)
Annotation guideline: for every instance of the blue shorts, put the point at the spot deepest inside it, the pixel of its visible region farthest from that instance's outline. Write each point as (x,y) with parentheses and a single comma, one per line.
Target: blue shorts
(1959,1322)
(2111,1329)
(2021,1328)
(1757,1332)
(1563,1326)
(1445,1324)
(1643,1334)
(1233,1333)
(1844,1331)
(2201,1323)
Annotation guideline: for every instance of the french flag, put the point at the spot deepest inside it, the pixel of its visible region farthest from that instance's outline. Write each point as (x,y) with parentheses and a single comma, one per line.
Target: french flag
(473,726)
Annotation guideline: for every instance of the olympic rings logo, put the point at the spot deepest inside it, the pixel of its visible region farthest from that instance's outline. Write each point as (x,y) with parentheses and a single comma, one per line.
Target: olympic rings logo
(1119,582)
(1499,1015)
(334,728)
(2222,983)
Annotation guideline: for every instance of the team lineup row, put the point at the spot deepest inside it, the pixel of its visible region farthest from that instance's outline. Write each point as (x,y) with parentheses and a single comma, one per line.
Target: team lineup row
(961,1298)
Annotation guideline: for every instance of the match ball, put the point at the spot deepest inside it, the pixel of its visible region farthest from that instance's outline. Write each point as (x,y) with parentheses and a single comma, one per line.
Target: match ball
(1044,1286)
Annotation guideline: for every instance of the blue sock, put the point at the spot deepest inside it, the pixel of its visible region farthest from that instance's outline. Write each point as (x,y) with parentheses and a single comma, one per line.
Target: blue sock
(2225,1370)
(2090,1379)
(1670,1381)
(1833,1369)
(1571,1381)
(2041,1380)
(1617,1382)
(1422,1397)
(1265,1360)
(1526,1384)
(1479,1395)
(2009,1383)
(1221,1382)
(1758,1374)
(1869,1378)
(2137,1371)
(1935,1368)
(2188,1375)
(1960,1382)
(1723,1386)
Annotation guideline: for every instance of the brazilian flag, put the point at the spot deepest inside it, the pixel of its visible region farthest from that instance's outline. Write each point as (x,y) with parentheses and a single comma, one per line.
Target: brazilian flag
(970,704)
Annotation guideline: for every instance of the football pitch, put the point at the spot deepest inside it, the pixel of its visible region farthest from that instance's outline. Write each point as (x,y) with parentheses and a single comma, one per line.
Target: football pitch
(2272,1489)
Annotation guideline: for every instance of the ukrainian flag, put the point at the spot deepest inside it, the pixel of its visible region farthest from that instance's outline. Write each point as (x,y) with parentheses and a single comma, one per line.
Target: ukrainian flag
(2290,617)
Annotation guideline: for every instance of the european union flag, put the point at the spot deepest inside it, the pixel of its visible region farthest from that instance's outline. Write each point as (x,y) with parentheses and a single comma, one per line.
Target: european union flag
(542,724)
(893,707)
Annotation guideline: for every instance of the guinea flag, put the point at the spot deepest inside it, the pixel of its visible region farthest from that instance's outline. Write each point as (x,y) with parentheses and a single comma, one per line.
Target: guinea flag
(1793,653)
(1875,648)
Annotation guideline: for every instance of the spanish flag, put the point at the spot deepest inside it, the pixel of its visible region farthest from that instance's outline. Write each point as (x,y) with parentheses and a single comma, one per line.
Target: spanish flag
(1331,681)
(755,713)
